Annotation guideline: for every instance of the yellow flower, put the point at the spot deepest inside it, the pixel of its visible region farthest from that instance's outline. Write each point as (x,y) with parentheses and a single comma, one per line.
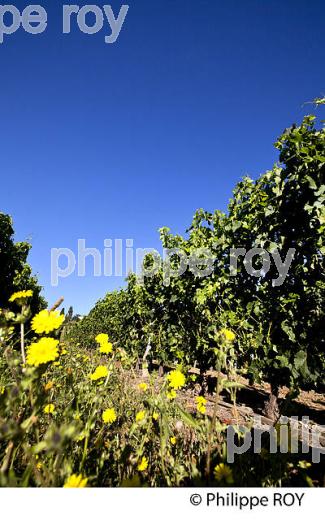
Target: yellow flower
(171,395)
(43,351)
(155,416)
(48,386)
(101,338)
(176,379)
(77,416)
(21,295)
(173,440)
(222,472)
(49,408)
(39,465)
(228,334)
(109,416)
(101,371)
(140,416)
(46,321)
(143,386)
(106,348)
(201,404)
(142,466)
(76,481)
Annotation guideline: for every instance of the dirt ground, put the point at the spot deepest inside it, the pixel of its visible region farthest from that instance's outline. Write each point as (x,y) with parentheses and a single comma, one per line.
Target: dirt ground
(250,401)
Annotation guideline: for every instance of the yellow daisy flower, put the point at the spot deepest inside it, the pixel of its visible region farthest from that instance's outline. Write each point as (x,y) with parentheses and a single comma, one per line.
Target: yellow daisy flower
(49,408)
(201,404)
(101,371)
(76,481)
(109,416)
(228,334)
(143,387)
(140,416)
(21,295)
(101,338)
(43,351)
(171,395)
(173,440)
(106,348)
(47,321)
(176,379)
(143,464)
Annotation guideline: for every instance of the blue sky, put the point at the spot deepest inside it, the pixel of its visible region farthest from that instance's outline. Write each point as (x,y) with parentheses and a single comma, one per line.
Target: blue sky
(114,141)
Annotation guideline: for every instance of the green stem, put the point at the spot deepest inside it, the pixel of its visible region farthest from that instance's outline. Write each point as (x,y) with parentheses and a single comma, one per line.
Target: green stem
(212,427)
(84,455)
(22,342)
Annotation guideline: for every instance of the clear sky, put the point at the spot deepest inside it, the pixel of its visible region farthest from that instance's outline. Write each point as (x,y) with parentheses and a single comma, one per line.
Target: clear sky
(103,141)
